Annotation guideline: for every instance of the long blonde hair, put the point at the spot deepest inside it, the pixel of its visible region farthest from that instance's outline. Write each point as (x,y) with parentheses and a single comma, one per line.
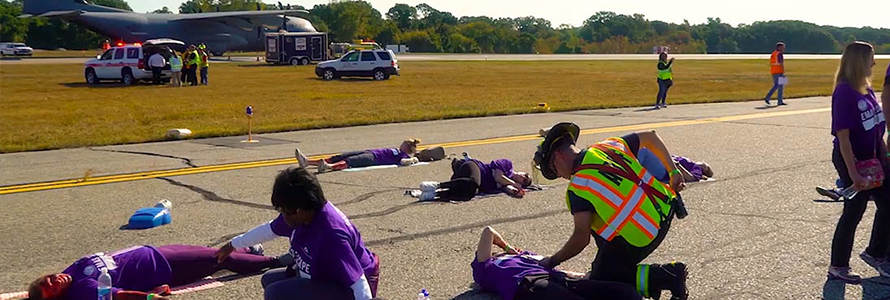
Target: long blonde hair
(856,63)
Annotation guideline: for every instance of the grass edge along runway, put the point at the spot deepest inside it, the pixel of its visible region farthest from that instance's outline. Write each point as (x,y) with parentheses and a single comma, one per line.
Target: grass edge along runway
(50,107)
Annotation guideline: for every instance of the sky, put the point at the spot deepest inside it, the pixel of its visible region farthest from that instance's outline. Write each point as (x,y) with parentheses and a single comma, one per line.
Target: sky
(874,13)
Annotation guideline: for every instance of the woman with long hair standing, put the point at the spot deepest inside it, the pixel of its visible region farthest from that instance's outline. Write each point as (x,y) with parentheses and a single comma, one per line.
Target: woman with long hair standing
(861,159)
(665,79)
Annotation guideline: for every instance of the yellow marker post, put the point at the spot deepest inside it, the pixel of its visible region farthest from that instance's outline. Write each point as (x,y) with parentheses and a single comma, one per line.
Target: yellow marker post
(250,126)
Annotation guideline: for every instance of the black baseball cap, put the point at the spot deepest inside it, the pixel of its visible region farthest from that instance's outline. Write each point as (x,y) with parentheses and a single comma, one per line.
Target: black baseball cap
(545,150)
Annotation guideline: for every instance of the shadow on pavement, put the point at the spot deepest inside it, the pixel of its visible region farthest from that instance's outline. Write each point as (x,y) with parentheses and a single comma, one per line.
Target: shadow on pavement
(476,294)
(873,288)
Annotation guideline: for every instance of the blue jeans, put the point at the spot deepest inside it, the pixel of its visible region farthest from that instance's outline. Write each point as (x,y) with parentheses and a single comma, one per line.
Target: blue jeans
(204,77)
(776,86)
(663,86)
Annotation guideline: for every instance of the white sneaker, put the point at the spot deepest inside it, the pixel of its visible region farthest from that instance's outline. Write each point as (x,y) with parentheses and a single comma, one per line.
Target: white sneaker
(429,186)
(427,195)
(323,166)
(304,162)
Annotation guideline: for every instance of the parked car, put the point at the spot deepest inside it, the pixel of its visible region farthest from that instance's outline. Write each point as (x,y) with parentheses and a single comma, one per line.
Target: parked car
(15,49)
(378,63)
(129,63)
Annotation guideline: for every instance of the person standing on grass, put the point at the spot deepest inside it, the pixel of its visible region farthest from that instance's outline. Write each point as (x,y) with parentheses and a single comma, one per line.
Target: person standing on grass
(185,68)
(777,69)
(204,63)
(156,62)
(175,69)
(860,157)
(665,79)
(193,62)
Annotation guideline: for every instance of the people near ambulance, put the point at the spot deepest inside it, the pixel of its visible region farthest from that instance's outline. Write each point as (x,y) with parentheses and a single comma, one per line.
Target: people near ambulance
(157,63)
(175,69)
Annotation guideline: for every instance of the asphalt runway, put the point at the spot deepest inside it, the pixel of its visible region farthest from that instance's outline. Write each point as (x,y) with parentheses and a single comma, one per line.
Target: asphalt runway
(485,57)
(754,233)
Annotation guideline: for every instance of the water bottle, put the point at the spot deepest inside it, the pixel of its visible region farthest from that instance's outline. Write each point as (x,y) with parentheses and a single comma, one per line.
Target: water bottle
(165,204)
(104,288)
(424,295)
(466,156)
(849,192)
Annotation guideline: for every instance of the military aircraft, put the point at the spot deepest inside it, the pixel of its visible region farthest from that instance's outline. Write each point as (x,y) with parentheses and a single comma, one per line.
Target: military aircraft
(220,31)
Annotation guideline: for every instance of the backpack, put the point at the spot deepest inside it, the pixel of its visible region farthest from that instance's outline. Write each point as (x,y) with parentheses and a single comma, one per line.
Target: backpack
(431,154)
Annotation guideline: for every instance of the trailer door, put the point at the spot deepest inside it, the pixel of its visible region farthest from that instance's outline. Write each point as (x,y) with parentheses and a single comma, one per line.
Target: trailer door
(272,49)
(317,48)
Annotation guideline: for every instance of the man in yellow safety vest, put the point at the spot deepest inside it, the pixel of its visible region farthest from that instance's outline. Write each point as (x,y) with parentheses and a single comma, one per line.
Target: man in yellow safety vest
(194,59)
(625,204)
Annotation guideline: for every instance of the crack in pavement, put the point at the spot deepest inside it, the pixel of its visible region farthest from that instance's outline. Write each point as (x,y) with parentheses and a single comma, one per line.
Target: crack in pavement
(211,196)
(366,196)
(185,160)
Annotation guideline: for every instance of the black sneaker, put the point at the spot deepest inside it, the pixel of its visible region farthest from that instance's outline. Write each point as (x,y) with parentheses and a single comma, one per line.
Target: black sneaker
(678,273)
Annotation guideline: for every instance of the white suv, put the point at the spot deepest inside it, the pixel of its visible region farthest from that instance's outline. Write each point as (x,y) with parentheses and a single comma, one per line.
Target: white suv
(128,63)
(377,63)
(15,49)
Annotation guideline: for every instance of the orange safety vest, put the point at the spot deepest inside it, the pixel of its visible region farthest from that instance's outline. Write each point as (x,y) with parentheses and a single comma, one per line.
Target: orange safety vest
(774,66)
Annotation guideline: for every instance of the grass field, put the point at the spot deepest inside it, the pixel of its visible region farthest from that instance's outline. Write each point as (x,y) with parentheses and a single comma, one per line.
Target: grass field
(50,106)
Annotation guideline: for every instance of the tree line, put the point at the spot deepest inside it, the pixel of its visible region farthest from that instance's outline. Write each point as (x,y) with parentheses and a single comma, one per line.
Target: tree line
(426,29)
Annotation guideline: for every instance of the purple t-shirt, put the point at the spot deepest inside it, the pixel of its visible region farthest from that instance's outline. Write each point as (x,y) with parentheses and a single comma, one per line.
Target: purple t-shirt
(388,156)
(328,249)
(861,115)
(139,268)
(489,185)
(501,274)
(690,166)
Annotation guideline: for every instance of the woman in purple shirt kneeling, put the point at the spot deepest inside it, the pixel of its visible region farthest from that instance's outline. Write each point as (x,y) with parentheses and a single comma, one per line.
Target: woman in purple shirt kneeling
(471,177)
(516,275)
(860,157)
(144,272)
(330,258)
(357,159)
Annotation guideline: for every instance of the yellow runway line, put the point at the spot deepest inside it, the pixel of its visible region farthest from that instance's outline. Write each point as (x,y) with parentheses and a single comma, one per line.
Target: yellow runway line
(59,184)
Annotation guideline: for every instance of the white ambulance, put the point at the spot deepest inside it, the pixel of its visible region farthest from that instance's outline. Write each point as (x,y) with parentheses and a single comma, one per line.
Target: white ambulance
(128,63)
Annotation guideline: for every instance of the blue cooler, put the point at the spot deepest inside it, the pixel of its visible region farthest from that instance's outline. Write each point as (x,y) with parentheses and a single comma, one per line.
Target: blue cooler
(149,217)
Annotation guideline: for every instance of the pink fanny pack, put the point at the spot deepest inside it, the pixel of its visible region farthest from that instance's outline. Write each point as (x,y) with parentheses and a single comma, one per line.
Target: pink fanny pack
(873,171)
